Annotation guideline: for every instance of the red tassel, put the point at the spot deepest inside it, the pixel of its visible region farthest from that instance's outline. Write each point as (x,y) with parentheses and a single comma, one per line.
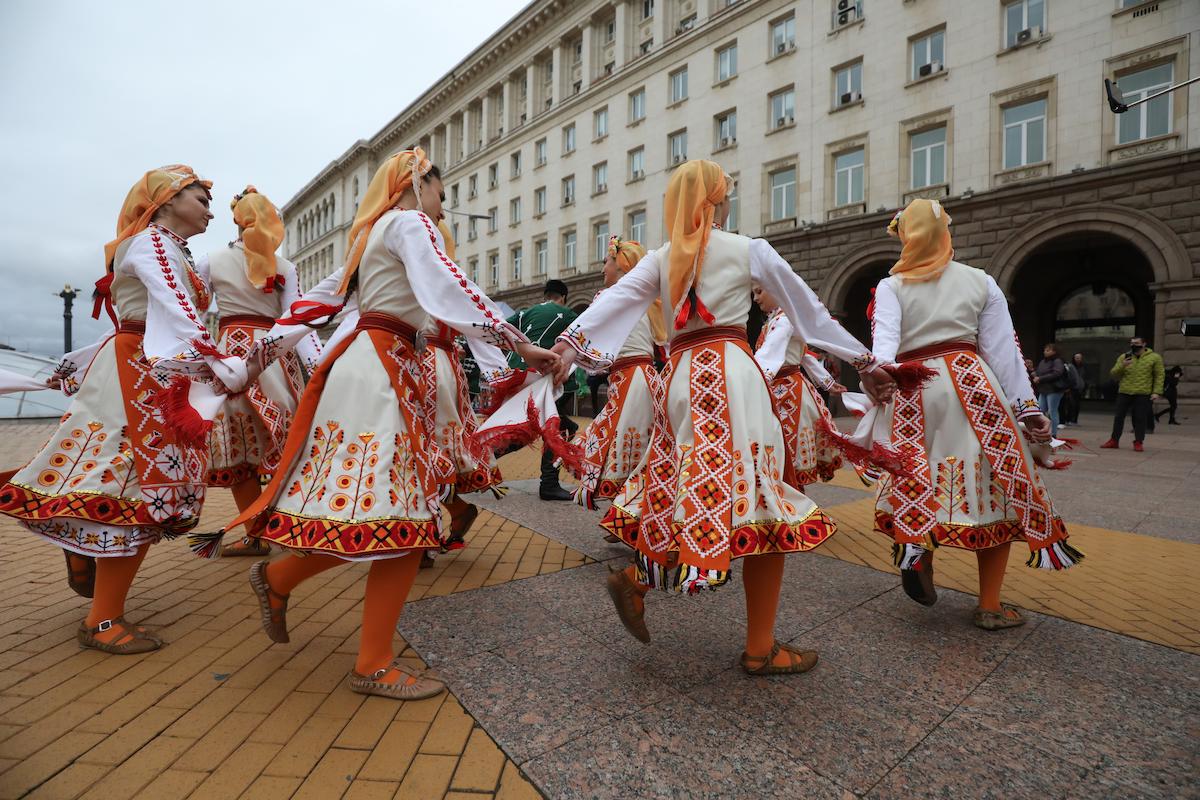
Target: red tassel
(178,415)
(910,375)
(885,457)
(206,349)
(571,455)
(306,312)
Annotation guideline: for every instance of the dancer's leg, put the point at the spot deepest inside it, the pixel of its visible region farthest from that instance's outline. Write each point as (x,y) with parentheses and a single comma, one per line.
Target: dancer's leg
(245,493)
(289,572)
(762,577)
(992,564)
(388,584)
(114,576)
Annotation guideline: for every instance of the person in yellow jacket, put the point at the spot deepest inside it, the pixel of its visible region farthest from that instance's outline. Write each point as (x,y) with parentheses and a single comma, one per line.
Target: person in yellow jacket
(1140,372)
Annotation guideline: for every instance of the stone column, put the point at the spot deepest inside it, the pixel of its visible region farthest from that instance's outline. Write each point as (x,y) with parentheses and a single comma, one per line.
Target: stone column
(507,99)
(464,136)
(557,84)
(487,133)
(530,90)
(660,24)
(701,12)
(585,55)
(620,47)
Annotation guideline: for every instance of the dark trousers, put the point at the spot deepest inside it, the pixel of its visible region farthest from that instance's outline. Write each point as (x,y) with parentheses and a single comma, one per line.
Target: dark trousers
(1139,406)
(568,428)
(1068,410)
(1173,404)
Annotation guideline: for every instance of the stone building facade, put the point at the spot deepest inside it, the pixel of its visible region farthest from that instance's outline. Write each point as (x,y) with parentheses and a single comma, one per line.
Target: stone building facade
(566,124)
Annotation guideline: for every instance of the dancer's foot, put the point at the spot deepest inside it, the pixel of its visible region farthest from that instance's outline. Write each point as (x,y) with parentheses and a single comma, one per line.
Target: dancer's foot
(427,561)
(918,582)
(612,538)
(81,574)
(271,605)
(554,492)
(396,681)
(459,525)
(782,660)
(1007,617)
(630,604)
(117,637)
(247,546)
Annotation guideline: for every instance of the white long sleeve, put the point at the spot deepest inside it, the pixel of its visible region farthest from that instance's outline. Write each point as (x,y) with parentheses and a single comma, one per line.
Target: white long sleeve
(802,306)
(284,336)
(885,324)
(493,365)
(173,324)
(998,348)
(599,332)
(309,347)
(773,353)
(817,372)
(442,288)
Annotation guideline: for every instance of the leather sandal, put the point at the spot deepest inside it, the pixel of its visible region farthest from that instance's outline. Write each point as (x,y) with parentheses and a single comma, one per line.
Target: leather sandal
(918,582)
(612,538)
(274,620)
(247,546)
(137,641)
(423,685)
(459,527)
(798,661)
(999,620)
(624,593)
(82,582)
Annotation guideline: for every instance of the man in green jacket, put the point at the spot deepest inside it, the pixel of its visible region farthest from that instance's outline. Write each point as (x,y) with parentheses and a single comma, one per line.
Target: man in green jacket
(1140,372)
(542,324)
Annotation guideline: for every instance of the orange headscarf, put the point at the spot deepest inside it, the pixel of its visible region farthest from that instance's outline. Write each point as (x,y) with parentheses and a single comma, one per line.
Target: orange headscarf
(262,233)
(924,230)
(147,196)
(692,194)
(391,180)
(628,253)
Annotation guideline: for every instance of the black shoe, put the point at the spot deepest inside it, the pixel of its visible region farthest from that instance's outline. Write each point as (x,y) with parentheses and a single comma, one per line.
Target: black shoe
(554,493)
(1173,422)
(918,583)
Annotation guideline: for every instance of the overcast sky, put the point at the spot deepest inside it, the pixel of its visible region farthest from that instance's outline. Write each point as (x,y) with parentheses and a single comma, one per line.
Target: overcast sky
(93,94)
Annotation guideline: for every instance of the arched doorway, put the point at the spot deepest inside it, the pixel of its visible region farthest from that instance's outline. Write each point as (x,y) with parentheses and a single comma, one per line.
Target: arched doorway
(1088,291)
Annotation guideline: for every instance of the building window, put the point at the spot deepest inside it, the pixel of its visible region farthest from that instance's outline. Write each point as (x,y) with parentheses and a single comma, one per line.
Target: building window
(783,194)
(783,35)
(454,196)
(568,190)
(493,176)
(515,161)
(568,250)
(568,134)
(472,229)
(848,177)
(1020,17)
(541,256)
(540,152)
(731,223)
(637,225)
(1025,134)
(600,123)
(472,187)
(637,164)
(514,211)
(473,267)
(783,109)
(539,201)
(493,269)
(577,52)
(678,142)
(847,85)
(1148,119)
(725,134)
(454,233)
(679,85)
(600,239)
(600,177)
(647,9)
(610,31)
(493,219)
(928,54)
(517,254)
(727,62)
(685,24)
(928,158)
(637,105)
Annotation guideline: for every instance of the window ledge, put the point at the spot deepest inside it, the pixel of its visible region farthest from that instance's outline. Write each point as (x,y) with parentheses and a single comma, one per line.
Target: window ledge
(567,205)
(1146,7)
(856,103)
(539,166)
(1045,37)
(599,139)
(566,153)
(926,79)
(731,146)
(779,225)
(1140,148)
(780,129)
(1025,172)
(676,104)
(539,216)
(834,32)
(673,165)
(725,82)
(933,192)
(635,123)
(850,210)
(514,224)
(601,192)
(565,272)
(630,181)
(784,54)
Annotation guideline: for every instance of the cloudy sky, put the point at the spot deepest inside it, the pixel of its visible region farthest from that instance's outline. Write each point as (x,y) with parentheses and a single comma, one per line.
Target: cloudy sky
(92,94)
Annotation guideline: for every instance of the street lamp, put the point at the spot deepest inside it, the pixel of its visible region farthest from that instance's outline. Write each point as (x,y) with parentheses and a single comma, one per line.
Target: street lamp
(68,295)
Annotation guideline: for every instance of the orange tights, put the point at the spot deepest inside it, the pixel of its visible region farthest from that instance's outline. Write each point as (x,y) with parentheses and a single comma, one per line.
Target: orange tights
(388,583)
(245,493)
(992,564)
(114,576)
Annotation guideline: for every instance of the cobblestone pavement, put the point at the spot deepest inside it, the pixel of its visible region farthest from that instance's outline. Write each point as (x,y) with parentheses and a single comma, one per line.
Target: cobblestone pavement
(1096,697)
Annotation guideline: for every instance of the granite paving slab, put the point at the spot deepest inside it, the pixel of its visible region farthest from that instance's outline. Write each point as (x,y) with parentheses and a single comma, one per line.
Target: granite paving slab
(566,522)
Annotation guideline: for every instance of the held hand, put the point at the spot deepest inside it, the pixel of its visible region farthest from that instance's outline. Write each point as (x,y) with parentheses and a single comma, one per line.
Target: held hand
(566,362)
(1154,398)
(837,388)
(878,385)
(537,358)
(1038,426)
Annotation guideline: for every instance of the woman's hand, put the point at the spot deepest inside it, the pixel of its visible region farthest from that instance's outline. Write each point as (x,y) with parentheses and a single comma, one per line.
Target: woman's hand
(836,388)
(878,385)
(566,361)
(537,358)
(1038,427)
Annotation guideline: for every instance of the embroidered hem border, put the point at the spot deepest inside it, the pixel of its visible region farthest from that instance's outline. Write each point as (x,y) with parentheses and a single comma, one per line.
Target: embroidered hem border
(29,505)
(964,537)
(224,477)
(367,539)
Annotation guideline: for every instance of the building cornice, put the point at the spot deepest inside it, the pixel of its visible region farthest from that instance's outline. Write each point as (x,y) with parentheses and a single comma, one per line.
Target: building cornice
(325,175)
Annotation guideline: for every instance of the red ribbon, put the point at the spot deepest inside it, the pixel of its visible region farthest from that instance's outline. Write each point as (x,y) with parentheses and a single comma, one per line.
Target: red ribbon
(273,284)
(102,297)
(304,312)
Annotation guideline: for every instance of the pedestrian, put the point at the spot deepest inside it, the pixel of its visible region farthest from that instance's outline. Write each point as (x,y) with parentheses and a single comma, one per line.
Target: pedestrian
(1140,376)
(1073,397)
(1050,381)
(714,482)
(1171,393)
(543,323)
(976,485)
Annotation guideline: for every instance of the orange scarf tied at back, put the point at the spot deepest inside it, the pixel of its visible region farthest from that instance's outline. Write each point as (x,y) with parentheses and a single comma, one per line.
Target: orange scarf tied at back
(449,245)
(262,233)
(692,195)
(148,195)
(391,180)
(924,231)
(627,254)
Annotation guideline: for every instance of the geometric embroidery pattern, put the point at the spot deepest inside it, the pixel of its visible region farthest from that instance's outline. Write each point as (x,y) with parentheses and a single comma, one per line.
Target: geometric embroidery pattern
(707,501)
(912,498)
